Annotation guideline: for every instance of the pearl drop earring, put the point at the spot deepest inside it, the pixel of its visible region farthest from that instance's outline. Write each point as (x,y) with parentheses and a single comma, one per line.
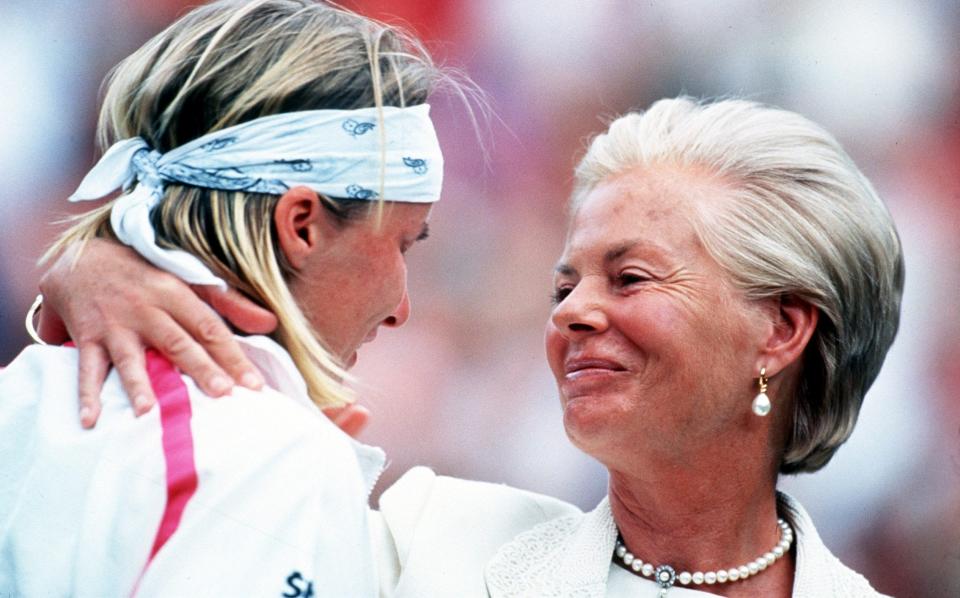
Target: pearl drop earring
(761,404)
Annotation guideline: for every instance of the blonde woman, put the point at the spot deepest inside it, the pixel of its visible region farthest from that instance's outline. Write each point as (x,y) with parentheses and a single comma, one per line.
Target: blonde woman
(281,149)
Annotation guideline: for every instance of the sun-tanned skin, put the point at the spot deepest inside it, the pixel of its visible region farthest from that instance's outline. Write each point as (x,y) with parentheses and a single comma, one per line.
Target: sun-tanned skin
(180,322)
(134,306)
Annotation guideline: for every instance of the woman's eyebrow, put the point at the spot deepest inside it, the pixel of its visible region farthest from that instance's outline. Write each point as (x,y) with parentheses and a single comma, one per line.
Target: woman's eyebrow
(616,252)
(611,255)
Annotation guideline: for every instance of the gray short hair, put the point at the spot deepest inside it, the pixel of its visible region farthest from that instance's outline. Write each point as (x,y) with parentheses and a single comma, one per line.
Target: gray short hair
(806,224)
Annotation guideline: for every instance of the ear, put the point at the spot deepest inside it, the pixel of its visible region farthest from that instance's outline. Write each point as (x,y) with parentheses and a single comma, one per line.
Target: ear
(793,323)
(303,225)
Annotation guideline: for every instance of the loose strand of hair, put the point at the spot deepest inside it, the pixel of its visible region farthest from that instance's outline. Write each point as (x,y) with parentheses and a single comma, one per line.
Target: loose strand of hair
(232,21)
(373,50)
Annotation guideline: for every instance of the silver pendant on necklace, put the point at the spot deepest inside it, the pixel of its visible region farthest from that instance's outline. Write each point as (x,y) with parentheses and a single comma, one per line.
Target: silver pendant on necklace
(665,576)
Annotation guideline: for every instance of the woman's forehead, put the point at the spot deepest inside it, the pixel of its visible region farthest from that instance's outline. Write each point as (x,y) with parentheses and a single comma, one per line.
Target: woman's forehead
(629,212)
(648,214)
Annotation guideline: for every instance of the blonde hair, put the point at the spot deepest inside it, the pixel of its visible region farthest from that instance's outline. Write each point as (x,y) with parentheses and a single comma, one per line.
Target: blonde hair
(229,62)
(804,223)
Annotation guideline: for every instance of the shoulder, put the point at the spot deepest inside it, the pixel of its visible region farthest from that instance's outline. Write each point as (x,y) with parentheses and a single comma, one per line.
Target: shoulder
(39,366)
(267,472)
(499,510)
(439,523)
(421,487)
(40,381)
(265,438)
(818,571)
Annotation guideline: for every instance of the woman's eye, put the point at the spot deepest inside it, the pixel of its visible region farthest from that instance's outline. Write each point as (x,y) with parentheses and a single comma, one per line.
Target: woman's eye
(559,294)
(629,278)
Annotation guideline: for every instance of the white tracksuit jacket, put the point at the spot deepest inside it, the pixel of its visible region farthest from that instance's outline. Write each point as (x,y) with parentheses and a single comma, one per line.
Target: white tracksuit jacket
(257,494)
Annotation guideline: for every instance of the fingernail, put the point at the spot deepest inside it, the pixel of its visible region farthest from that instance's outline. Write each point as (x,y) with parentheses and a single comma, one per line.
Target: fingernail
(220,385)
(252,380)
(86,415)
(142,404)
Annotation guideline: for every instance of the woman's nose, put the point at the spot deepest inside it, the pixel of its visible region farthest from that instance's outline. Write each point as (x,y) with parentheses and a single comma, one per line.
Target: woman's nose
(580,312)
(401,314)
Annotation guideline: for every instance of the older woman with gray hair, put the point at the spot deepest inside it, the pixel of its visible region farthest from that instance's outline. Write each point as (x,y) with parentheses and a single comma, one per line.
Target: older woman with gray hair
(730,286)
(728,291)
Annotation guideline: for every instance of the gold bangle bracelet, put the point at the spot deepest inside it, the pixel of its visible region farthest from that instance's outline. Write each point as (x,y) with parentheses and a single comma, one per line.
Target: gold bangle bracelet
(31,315)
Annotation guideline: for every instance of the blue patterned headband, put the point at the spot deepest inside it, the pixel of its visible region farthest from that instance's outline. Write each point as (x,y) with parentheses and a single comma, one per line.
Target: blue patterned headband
(340,153)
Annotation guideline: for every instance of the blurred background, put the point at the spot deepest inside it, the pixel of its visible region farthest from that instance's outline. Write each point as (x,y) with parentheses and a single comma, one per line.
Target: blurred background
(464,387)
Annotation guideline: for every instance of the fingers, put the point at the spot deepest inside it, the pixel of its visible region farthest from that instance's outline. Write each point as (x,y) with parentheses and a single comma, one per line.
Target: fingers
(94,365)
(127,354)
(356,421)
(113,305)
(352,419)
(181,347)
(241,311)
(204,347)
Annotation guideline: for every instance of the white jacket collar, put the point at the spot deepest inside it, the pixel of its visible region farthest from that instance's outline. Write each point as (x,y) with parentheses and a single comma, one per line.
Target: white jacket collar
(819,572)
(570,556)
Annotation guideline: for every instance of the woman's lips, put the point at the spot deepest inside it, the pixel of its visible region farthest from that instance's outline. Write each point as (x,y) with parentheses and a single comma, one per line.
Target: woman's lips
(584,367)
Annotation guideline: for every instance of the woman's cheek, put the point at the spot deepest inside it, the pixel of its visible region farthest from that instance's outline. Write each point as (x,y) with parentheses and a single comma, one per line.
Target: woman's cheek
(556,347)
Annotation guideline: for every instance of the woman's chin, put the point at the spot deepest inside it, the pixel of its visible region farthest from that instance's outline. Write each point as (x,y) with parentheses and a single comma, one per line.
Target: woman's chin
(591,418)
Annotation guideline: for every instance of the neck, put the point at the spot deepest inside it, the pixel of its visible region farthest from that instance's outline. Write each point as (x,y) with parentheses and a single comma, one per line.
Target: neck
(702,519)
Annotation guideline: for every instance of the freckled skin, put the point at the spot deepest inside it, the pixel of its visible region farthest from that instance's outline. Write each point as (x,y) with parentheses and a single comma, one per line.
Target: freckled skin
(664,310)
(360,282)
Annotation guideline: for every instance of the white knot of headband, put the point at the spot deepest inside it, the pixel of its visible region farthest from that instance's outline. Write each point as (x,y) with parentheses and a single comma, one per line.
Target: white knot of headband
(360,154)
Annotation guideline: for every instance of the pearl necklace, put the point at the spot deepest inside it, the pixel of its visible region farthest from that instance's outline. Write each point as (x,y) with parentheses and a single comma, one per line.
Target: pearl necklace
(666,576)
